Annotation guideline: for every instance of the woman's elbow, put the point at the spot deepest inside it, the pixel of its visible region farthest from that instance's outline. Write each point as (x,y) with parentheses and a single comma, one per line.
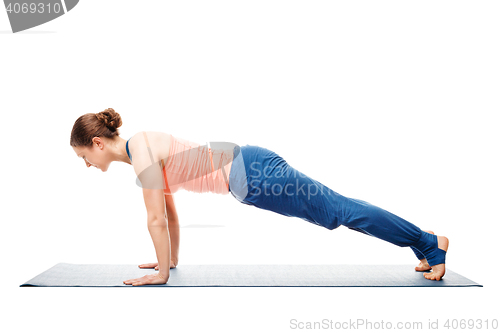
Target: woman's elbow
(157,222)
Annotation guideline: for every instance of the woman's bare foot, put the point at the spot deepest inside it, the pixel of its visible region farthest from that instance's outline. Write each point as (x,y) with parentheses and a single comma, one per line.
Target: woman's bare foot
(438,270)
(424,265)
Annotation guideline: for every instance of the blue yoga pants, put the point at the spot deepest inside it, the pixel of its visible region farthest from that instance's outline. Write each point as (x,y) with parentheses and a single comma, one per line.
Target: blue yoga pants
(261,178)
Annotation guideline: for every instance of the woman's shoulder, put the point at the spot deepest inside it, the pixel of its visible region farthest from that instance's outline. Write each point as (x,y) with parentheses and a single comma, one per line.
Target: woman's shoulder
(150,136)
(158,142)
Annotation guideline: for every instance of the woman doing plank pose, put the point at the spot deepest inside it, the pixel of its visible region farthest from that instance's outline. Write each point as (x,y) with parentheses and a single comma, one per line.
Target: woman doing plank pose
(254,176)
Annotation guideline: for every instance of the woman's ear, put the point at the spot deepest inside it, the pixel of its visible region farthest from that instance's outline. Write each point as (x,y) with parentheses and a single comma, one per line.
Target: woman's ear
(97,141)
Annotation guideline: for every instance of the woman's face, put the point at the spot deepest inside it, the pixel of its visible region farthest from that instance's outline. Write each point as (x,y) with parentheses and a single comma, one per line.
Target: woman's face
(93,157)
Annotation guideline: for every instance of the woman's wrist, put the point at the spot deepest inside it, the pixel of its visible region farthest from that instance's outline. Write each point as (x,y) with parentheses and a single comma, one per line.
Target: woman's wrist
(164,275)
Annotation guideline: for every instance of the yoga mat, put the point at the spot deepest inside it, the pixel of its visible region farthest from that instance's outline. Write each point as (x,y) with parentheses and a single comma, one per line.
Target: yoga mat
(102,275)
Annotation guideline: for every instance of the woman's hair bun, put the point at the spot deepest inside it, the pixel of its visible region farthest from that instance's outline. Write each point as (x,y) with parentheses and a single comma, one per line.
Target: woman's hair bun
(103,124)
(110,118)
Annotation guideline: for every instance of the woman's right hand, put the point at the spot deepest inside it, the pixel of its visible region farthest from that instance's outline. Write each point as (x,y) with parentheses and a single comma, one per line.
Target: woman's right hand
(155,265)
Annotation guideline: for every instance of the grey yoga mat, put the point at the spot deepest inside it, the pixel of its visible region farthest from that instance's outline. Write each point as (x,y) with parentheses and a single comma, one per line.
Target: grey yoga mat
(102,275)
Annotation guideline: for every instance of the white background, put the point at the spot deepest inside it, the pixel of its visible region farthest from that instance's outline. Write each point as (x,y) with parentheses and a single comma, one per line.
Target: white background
(392,102)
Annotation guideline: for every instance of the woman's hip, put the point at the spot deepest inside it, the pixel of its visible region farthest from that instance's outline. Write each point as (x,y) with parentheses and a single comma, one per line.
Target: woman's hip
(264,179)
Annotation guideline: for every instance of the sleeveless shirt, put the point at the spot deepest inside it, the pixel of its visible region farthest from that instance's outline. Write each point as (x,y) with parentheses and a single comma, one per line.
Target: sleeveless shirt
(195,168)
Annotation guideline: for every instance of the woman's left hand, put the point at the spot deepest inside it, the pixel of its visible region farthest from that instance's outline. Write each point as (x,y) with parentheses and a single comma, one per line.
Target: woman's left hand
(147,279)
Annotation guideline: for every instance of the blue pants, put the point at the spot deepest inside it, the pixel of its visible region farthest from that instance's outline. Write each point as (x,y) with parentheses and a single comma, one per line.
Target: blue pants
(261,178)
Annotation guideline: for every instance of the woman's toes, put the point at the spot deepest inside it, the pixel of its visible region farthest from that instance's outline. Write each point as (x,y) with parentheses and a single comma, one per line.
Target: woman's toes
(436,274)
(423,265)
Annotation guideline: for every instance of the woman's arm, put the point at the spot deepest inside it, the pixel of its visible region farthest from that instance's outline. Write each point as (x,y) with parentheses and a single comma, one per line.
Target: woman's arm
(173,227)
(149,173)
(161,239)
(158,229)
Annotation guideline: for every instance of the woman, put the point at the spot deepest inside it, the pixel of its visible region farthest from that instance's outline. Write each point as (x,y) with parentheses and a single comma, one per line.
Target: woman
(253,175)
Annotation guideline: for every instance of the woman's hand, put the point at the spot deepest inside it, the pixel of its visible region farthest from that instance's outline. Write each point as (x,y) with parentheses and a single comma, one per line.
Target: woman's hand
(173,263)
(147,279)
(155,266)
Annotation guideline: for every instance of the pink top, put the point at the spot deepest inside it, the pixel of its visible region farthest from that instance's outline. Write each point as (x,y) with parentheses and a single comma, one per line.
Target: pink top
(196,168)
